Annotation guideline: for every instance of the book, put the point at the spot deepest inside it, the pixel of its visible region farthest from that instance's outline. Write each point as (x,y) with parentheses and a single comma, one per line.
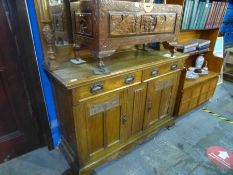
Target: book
(190,49)
(194,14)
(203,47)
(219,15)
(200,14)
(215,14)
(197,15)
(207,25)
(187,50)
(205,15)
(223,14)
(190,9)
(201,42)
(185,15)
(187,44)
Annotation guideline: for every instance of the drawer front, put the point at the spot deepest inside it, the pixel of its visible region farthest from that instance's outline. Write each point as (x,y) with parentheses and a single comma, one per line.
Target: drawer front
(103,86)
(161,69)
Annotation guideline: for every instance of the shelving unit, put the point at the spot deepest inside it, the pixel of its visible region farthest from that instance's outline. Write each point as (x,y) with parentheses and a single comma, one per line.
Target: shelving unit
(192,93)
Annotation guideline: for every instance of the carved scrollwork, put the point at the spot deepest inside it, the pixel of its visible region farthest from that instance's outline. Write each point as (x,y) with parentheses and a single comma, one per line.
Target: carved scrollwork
(49,37)
(133,24)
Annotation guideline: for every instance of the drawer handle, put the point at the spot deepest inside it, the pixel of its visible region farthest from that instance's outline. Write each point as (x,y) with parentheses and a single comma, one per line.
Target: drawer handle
(96,88)
(129,79)
(154,72)
(174,66)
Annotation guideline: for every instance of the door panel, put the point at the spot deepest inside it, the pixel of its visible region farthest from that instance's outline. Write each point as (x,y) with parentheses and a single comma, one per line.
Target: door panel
(103,122)
(95,132)
(160,99)
(113,126)
(7,121)
(136,100)
(18,132)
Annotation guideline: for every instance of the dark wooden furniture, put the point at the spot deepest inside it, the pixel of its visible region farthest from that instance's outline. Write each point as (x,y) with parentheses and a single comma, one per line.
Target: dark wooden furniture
(104,26)
(103,116)
(23,118)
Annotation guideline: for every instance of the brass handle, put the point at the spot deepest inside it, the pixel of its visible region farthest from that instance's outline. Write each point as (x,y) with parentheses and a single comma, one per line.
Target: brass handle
(129,79)
(174,66)
(154,72)
(96,88)
(124,118)
(149,107)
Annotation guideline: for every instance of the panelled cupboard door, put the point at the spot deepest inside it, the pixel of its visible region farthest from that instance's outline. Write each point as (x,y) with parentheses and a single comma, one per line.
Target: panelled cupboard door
(161,94)
(104,117)
(136,109)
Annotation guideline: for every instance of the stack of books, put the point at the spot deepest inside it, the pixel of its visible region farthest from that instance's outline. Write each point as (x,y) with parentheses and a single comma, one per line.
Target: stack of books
(203,14)
(196,45)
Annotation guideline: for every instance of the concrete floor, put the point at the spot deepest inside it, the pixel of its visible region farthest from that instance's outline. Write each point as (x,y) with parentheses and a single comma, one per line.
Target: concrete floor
(178,151)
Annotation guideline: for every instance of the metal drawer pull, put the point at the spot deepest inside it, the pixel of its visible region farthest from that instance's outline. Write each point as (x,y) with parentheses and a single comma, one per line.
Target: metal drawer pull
(129,79)
(96,88)
(154,72)
(174,66)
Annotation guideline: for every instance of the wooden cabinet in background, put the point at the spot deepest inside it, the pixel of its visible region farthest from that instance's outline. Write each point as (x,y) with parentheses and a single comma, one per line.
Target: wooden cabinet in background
(194,96)
(102,116)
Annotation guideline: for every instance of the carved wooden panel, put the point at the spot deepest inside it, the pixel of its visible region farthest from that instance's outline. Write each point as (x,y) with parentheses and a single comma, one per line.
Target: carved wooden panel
(83,23)
(123,24)
(58,22)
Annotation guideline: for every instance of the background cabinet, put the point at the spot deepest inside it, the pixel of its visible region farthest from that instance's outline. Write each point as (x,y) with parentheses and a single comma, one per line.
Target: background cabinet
(214,65)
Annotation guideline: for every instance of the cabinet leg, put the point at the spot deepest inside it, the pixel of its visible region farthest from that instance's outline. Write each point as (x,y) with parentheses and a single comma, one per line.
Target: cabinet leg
(170,124)
(101,69)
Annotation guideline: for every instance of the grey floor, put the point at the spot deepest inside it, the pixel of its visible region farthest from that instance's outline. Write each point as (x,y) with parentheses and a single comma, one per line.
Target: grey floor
(178,151)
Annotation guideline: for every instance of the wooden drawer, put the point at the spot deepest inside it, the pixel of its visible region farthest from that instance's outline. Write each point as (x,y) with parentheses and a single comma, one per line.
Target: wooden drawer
(161,69)
(102,86)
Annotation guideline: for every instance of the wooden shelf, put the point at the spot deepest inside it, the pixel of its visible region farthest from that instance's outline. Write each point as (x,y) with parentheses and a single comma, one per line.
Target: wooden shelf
(189,83)
(188,30)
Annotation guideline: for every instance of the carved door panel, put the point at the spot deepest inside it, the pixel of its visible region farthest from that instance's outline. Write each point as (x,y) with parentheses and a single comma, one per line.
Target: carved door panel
(161,96)
(104,116)
(136,107)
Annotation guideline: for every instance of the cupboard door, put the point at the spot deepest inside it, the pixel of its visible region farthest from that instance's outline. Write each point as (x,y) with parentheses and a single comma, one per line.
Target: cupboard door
(161,94)
(136,107)
(103,122)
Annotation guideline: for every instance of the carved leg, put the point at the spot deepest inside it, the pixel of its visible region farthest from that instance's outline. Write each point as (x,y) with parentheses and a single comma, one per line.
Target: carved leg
(77,60)
(101,68)
(49,37)
(101,64)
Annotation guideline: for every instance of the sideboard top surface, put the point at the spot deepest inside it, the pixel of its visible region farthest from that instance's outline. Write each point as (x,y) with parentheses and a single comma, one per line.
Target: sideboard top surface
(71,75)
